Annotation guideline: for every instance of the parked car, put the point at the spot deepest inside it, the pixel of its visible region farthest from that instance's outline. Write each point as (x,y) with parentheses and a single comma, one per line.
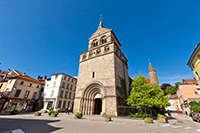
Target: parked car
(196,117)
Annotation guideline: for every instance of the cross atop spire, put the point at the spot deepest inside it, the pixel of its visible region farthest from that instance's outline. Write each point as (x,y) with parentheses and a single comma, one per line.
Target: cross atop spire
(100,24)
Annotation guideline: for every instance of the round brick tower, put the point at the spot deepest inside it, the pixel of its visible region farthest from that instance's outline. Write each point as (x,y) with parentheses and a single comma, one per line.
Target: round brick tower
(152,75)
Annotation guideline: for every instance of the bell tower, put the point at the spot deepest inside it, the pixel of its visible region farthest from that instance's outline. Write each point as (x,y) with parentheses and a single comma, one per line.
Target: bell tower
(103,80)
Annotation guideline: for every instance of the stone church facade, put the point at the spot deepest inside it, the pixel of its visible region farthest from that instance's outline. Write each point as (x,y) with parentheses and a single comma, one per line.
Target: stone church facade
(103,81)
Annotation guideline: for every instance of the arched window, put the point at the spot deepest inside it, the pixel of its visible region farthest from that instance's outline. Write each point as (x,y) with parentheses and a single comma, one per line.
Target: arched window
(106,49)
(94,43)
(103,40)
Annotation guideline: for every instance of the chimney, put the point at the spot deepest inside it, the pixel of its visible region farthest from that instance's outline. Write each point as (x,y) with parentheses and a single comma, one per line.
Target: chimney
(38,77)
(45,77)
(24,74)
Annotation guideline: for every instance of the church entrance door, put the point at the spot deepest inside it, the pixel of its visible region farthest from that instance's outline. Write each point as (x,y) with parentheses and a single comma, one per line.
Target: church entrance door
(98,106)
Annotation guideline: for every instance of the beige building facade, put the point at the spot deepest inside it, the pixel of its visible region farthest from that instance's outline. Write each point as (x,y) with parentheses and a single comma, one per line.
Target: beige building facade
(103,81)
(19,92)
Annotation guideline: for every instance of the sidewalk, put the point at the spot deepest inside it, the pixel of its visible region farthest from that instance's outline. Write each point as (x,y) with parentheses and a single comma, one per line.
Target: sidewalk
(96,118)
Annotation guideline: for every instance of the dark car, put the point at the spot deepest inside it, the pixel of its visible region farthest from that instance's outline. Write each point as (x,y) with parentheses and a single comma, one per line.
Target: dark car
(196,117)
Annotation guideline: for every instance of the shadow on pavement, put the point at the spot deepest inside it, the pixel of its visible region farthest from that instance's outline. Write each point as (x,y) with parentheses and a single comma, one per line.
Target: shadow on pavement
(27,125)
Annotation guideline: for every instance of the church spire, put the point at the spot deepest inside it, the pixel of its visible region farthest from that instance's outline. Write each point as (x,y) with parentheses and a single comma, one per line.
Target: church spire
(100,24)
(151,67)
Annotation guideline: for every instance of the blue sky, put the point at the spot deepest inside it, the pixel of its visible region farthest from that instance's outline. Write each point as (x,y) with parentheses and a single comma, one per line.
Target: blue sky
(47,36)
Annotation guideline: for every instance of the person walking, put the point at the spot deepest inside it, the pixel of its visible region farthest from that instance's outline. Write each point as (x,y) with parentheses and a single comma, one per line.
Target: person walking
(168,112)
(66,110)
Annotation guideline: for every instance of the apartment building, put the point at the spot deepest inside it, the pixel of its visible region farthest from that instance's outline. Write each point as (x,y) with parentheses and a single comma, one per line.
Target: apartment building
(59,91)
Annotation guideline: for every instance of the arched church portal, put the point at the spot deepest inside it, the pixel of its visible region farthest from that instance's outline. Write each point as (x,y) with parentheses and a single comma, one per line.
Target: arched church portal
(92,100)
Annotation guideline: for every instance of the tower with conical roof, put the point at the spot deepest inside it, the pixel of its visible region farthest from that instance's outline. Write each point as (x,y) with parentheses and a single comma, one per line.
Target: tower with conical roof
(103,81)
(152,75)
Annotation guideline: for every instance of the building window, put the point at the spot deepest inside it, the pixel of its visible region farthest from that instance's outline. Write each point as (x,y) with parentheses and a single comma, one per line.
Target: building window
(26,94)
(198,56)
(67,86)
(74,96)
(17,93)
(70,95)
(197,75)
(61,94)
(30,85)
(52,92)
(49,104)
(75,88)
(68,104)
(10,81)
(34,95)
(106,49)
(22,83)
(93,74)
(59,104)
(64,104)
(72,80)
(98,51)
(66,94)
(37,86)
(63,85)
(192,65)
(68,79)
(94,43)
(84,56)
(64,77)
(103,40)
(71,87)
(56,76)
(1,86)
(54,84)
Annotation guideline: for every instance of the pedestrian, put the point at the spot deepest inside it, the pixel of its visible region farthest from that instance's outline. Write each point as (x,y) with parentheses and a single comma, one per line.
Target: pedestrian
(168,113)
(51,108)
(186,113)
(58,110)
(66,110)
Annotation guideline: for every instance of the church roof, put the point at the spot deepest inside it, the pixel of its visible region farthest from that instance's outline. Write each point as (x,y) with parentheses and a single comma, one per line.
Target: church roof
(151,67)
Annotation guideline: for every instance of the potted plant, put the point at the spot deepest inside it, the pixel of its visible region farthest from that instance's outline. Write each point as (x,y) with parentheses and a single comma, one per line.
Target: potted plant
(107,118)
(38,113)
(148,120)
(14,112)
(52,113)
(162,118)
(78,115)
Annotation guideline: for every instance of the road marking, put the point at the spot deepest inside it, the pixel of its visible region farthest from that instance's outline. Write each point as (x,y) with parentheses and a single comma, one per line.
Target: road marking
(187,127)
(15,131)
(166,125)
(176,126)
(198,130)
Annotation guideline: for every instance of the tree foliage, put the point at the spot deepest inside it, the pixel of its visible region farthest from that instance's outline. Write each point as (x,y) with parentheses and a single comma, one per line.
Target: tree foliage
(148,95)
(195,106)
(177,84)
(164,86)
(170,90)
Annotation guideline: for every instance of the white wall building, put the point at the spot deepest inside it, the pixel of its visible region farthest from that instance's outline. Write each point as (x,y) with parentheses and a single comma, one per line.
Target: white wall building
(59,91)
(173,100)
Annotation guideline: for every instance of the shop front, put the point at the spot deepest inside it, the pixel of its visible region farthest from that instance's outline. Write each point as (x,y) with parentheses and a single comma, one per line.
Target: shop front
(22,105)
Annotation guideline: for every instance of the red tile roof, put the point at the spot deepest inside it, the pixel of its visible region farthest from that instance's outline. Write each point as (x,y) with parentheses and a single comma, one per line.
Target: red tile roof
(190,81)
(27,78)
(148,80)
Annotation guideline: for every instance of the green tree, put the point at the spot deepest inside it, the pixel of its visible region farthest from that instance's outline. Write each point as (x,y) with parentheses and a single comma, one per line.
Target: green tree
(195,106)
(148,95)
(177,84)
(170,90)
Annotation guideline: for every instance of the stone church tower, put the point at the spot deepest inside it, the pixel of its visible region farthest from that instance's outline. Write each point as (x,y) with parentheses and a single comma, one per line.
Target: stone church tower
(152,75)
(103,80)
